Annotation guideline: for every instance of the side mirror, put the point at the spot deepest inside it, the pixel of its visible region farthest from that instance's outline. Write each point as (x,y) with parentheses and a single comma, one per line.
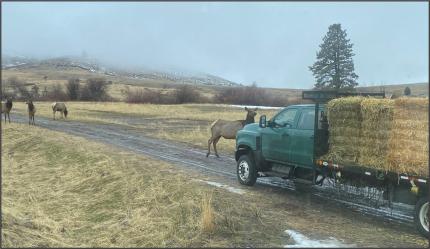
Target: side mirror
(262,122)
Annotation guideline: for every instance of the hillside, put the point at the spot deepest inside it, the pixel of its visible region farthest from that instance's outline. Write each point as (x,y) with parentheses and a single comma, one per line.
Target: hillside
(21,63)
(47,73)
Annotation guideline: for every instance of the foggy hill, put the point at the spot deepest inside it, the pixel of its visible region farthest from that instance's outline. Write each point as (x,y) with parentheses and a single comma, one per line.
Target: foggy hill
(94,66)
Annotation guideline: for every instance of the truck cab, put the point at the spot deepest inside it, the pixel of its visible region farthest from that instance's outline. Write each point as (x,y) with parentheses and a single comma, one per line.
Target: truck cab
(285,146)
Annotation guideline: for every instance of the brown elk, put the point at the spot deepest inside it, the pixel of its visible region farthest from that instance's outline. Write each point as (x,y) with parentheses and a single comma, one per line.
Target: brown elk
(31,111)
(6,106)
(228,129)
(59,107)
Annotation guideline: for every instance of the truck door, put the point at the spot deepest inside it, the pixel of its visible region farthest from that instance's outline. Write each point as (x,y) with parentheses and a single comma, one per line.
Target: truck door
(276,137)
(302,138)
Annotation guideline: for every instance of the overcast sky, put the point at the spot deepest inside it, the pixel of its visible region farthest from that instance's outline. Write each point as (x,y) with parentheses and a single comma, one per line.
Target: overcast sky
(270,43)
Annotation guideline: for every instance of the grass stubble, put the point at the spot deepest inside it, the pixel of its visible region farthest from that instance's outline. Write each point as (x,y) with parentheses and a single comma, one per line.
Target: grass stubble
(64,191)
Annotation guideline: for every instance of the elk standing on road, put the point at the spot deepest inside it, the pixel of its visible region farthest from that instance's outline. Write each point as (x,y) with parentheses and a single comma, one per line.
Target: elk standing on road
(228,129)
(31,111)
(59,107)
(6,106)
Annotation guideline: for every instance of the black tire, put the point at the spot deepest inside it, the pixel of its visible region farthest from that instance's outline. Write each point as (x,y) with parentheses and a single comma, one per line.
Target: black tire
(246,171)
(420,218)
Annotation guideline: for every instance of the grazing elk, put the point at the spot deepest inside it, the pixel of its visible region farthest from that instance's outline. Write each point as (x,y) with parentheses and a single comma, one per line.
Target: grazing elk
(6,106)
(59,107)
(228,129)
(31,111)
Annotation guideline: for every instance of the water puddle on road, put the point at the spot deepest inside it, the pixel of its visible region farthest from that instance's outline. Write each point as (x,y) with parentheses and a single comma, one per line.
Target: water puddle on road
(302,241)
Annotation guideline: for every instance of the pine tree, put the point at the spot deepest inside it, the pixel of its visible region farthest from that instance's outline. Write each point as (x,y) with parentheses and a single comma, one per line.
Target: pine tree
(334,67)
(407,91)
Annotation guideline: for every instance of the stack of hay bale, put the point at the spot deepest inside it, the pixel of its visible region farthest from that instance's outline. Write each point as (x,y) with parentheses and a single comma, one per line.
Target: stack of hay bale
(384,134)
(344,117)
(409,140)
(377,117)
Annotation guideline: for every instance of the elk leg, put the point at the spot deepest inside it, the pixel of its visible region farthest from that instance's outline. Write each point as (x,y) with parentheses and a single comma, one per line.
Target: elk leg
(215,142)
(53,113)
(209,147)
(8,117)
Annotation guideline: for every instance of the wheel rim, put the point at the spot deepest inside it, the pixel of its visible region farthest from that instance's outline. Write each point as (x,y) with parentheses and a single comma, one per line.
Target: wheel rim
(424,218)
(243,170)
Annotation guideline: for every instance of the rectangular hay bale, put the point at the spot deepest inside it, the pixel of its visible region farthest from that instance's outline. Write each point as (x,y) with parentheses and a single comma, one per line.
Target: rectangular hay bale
(377,115)
(344,117)
(409,141)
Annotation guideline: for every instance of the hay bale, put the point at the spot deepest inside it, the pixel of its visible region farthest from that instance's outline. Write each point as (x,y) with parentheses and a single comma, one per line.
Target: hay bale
(384,134)
(409,141)
(377,115)
(344,117)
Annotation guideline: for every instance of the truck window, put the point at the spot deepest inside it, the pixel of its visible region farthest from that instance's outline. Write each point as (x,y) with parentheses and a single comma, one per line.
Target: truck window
(286,117)
(307,120)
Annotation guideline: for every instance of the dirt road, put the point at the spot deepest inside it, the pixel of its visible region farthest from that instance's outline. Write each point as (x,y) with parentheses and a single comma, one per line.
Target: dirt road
(222,170)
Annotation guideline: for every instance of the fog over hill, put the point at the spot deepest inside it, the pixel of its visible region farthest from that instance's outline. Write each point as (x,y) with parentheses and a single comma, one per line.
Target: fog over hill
(95,66)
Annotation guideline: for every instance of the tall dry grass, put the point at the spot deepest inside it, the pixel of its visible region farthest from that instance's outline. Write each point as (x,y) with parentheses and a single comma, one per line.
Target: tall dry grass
(63,191)
(208,216)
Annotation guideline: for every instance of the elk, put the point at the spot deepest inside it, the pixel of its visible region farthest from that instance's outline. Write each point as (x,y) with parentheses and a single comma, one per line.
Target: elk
(59,107)
(6,106)
(31,111)
(228,129)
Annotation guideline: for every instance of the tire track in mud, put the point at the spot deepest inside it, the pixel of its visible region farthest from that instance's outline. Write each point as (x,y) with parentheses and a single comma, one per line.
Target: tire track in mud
(187,157)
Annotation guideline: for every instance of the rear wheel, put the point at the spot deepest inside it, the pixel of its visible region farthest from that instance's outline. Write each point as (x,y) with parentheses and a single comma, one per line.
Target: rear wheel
(422,216)
(246,172)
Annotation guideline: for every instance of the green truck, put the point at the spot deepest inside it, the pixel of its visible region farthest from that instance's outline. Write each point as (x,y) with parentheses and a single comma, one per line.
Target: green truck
(290,144)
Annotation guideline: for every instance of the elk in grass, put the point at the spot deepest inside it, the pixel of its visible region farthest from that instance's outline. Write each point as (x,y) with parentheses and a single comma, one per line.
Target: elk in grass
(59,107)
(228,129)
(31,111)
(6,106)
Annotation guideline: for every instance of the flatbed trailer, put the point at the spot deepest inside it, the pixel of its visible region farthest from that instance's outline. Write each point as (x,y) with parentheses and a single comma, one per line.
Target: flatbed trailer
(294,150)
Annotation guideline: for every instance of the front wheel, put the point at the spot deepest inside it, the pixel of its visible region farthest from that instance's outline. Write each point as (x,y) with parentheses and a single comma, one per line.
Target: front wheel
(422,216)
(246,172)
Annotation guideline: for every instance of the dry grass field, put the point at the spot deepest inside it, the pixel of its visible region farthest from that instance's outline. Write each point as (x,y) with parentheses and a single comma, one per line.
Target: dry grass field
(185,123)
(63,191)
(60,190)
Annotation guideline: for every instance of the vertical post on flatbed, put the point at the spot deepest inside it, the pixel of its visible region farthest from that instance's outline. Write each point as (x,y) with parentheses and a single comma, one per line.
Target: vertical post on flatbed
(317,107)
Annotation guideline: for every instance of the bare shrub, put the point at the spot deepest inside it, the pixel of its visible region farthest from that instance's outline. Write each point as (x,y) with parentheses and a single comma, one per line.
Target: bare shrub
(35,92)
(143,96)
(248,95)
(55,94)
(19,87)
(186,94)
(183,94)
(254,95)
(72,88)
(95,90)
